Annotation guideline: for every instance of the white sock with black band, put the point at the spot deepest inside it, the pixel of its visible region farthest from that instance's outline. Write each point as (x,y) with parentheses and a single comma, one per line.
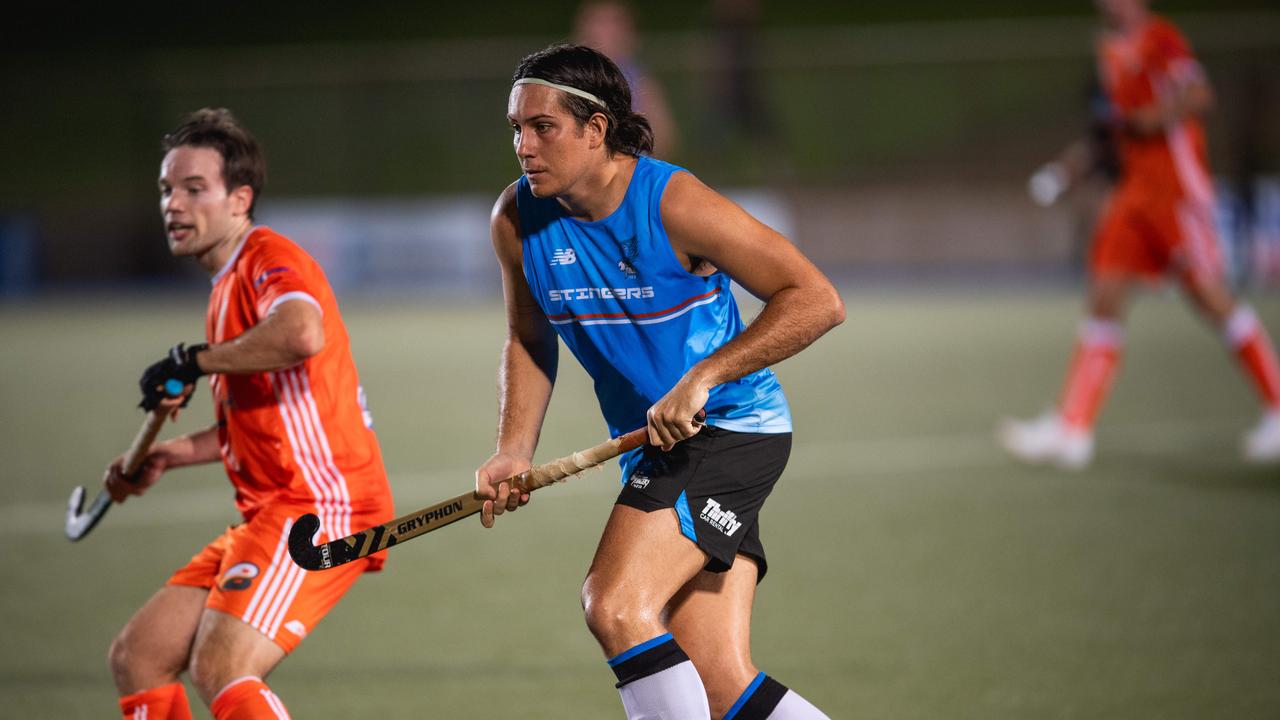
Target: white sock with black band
(658,682)
(768,699)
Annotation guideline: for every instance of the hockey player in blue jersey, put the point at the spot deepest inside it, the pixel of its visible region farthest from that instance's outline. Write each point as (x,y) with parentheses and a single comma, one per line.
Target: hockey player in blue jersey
(628,261)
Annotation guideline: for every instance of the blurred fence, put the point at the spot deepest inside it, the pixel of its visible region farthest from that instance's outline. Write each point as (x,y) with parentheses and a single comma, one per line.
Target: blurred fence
(886,147)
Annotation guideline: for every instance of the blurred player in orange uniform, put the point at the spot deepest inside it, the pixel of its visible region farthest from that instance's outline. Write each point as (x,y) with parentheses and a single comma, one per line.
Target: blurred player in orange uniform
(1158,220)
(291,430)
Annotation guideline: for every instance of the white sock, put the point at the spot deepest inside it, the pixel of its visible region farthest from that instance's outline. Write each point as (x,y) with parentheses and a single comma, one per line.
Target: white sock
(658,682)
(794,707)
(768,699)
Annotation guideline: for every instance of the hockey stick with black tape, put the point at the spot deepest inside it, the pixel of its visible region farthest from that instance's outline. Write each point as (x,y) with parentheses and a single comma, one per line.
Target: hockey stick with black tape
(80,523)
(420,522)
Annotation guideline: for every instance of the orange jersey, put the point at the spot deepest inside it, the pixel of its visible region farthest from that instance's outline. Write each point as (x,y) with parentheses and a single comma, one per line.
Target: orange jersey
(1138,70)
(301,435)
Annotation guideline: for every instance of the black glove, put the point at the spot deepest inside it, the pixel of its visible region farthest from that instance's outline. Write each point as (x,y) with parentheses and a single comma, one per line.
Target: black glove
(180,364)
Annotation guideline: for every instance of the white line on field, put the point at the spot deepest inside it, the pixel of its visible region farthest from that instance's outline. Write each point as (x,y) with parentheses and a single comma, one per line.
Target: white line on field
(860,458)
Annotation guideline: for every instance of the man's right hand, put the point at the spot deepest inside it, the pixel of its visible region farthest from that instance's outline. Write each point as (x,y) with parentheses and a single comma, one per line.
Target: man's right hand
(491,484)
(180,364)
(121,487)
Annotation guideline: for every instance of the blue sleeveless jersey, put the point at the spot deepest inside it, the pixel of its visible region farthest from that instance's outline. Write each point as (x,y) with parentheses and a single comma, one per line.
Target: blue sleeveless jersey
(631,314)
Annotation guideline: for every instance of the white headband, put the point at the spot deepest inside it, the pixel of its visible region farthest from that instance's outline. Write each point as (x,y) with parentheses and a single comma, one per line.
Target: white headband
(563,88)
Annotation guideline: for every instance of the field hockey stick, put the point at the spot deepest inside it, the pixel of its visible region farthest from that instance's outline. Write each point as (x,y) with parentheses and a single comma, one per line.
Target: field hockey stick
(420,522)
(80,523)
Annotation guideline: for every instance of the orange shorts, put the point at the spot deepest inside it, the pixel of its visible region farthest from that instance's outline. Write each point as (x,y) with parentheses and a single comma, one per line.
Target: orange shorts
(250,575)
(1150,235)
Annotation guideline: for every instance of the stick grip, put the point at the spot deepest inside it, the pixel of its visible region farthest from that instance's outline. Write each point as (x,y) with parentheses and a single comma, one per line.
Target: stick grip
(150,429)
(142,442)
(557,470)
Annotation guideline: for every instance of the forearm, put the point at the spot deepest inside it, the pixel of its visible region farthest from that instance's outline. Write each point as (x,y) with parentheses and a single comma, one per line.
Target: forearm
(195,448)
(526,377)
(286,337)
(791,320)
(1190,100)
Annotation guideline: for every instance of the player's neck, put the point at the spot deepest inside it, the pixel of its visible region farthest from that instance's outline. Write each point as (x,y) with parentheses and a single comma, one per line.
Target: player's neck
(599,193)
(1132,24)
(216,257)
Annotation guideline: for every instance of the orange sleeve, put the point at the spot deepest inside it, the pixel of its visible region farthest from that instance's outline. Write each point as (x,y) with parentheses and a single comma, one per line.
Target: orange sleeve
(280,272)
(1169,53)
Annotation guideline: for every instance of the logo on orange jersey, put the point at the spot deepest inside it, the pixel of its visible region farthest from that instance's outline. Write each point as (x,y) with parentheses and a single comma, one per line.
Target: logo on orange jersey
(266,274)
(239,576)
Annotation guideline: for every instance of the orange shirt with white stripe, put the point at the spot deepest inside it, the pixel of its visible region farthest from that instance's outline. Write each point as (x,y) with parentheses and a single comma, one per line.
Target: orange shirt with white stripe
(1138,69)
(300,435)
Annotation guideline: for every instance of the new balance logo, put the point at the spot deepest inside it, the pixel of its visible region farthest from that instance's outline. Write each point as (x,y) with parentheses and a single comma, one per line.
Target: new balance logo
(639,481)
(564,257)
(724,520)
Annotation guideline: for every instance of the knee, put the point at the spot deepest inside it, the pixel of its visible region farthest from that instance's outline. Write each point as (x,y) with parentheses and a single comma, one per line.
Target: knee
(134,667)
(120,655)
(208,672)
(611,614)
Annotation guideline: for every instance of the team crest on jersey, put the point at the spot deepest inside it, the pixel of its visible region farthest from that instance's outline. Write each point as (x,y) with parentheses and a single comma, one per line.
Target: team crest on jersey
(565,256)
(239,576)
(630,253)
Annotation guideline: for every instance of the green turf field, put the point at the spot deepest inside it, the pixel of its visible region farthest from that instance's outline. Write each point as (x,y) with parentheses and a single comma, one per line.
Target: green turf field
(916,572)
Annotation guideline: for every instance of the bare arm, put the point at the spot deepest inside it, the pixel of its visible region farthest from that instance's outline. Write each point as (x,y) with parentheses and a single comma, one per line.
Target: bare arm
(526,372)
(291,333)
(1191,97)
(800,302)
(1076,162)
(530,354)
(192,449)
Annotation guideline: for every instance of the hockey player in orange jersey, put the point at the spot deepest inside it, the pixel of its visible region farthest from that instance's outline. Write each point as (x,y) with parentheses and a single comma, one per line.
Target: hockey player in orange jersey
(1158,221)
(291,430)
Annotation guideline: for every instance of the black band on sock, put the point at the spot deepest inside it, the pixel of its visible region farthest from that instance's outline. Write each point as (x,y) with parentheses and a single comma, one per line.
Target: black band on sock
(762,702)
(651,661)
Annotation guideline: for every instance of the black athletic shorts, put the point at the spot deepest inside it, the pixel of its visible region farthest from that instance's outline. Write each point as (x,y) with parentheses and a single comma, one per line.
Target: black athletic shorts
(717,481)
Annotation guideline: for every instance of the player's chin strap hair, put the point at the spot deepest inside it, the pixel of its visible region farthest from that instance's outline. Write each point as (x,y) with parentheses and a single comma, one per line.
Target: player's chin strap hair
(563,88)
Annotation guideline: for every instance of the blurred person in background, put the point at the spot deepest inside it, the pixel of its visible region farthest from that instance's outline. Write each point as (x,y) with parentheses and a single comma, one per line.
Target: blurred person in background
(628,260)
(737,104)
(610,27)
(292,433)
(1158,221)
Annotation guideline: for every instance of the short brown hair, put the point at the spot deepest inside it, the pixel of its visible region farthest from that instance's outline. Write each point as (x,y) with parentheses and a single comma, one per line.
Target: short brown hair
(242,160)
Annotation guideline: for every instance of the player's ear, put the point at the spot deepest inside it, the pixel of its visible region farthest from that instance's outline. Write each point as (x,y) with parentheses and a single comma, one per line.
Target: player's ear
(597,126)
(241,200)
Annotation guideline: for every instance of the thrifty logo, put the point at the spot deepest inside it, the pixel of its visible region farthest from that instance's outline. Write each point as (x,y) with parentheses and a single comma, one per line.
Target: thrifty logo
(724,520)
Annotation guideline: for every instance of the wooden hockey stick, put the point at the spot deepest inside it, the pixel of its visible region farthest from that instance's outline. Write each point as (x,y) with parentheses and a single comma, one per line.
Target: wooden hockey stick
(80,523)
(420,522)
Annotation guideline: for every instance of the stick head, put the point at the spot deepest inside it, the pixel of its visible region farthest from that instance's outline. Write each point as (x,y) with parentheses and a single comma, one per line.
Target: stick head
(302,547)
(80,523)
